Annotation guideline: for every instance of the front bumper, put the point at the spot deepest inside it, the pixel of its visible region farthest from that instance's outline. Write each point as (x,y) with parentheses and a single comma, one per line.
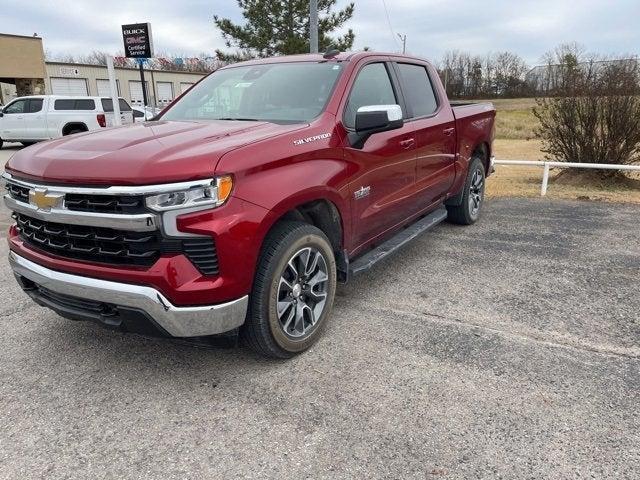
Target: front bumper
(175,321)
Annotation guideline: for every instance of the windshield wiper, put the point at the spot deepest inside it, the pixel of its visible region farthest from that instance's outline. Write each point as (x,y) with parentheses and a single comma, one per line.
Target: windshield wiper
(239,119)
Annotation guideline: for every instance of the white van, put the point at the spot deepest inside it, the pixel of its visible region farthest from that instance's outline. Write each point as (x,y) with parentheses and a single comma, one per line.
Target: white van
(42,117)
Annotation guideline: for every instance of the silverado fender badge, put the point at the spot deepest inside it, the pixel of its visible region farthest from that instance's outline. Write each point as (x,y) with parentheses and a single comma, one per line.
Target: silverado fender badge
(315,138)
(362,192)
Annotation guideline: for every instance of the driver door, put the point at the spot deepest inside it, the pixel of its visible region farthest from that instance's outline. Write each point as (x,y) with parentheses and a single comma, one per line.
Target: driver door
(13,124)
(382,192)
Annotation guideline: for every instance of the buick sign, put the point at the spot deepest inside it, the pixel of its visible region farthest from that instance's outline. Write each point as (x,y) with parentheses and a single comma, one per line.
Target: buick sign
(138,42)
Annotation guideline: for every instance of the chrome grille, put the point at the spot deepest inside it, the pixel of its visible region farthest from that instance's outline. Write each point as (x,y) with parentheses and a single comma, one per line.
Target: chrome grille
(112,228)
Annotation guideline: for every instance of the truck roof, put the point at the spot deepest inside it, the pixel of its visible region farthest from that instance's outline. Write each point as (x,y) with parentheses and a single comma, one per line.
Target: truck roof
(319,57)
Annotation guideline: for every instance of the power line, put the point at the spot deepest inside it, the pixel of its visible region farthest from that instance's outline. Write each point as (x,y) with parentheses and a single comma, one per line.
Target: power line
(393,34)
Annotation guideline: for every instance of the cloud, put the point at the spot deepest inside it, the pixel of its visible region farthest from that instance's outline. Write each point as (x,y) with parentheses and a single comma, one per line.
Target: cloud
(186,27)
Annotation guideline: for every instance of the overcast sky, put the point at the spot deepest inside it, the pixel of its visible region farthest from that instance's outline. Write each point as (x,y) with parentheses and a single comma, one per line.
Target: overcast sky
(185,27)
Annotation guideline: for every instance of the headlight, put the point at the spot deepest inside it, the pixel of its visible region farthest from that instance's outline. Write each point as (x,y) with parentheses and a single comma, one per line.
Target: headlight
(214,194)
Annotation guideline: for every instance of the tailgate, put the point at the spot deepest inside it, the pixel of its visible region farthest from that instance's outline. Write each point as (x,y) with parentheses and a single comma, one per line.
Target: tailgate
(126,118)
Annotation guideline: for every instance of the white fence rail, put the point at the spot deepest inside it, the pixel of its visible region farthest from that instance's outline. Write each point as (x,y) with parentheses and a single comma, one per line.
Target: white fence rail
(547,165)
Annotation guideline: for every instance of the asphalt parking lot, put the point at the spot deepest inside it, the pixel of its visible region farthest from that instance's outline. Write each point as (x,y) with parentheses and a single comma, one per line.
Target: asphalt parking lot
(509,349)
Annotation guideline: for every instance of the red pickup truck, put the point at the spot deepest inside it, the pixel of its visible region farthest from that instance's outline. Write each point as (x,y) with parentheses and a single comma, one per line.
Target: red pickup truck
(242,205)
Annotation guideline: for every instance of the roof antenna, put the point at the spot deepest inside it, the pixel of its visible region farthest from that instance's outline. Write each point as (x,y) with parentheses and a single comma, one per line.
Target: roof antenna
(331,52)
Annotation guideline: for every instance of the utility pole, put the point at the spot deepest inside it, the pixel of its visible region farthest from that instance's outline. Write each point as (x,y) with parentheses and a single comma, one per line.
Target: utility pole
(313,26)
(404,42)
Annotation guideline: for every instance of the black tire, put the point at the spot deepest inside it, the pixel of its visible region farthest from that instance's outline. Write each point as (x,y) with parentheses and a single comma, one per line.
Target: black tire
(467,213)
(1,142)
(27,144)
(263,330)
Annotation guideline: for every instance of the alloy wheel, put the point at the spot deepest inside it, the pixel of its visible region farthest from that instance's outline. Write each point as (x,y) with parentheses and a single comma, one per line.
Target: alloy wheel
(302,292)
(476,192)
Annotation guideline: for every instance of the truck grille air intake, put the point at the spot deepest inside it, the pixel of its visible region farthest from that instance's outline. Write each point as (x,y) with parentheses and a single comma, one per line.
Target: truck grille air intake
(90,243)
(105,245)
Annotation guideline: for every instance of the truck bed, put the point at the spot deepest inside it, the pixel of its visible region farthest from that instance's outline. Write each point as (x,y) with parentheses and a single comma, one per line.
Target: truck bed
(474,125)
(466,109)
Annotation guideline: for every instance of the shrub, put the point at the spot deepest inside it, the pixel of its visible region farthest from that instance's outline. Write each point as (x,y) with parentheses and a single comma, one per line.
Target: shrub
(594,115)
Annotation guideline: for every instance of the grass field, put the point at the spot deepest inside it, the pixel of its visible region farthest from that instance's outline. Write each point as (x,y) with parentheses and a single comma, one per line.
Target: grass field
(516,140)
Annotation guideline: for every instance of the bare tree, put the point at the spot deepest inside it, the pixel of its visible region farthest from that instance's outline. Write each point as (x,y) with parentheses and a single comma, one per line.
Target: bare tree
(496,75)
(96,57)
(509,70)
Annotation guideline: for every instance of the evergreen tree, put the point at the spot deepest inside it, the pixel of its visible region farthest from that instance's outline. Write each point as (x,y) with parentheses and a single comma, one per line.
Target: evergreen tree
(281,27)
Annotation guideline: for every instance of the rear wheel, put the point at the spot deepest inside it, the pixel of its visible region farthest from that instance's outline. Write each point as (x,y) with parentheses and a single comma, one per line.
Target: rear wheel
(468,211)
(293,291)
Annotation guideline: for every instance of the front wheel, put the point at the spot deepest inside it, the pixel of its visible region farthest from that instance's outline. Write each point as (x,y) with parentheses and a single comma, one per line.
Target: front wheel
(468,211)
(293,291)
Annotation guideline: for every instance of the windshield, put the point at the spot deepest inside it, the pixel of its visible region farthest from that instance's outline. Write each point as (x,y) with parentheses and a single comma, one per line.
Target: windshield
(278,92)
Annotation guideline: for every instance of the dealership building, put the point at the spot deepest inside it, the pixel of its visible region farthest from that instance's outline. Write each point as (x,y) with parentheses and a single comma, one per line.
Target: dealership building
(24,71)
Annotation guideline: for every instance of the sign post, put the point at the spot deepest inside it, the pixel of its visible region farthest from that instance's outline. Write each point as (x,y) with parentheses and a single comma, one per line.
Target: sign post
(144,85)
(138,44)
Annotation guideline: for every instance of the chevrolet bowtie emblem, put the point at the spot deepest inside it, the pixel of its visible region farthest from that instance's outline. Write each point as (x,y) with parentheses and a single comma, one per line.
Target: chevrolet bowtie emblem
(43,200)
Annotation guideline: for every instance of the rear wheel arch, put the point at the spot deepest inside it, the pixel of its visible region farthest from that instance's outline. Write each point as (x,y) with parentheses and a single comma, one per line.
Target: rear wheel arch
(74,127)
(484,152)
(480,151)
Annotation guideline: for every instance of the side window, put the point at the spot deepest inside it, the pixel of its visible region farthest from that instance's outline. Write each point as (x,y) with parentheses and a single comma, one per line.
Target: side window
(107,105)
(16,107)
(372,87)
(85,104)
(417,89)
(66,104)
(35,105)
(124,106)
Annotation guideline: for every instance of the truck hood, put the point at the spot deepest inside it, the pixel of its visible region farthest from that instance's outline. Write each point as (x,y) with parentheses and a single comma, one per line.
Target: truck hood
(140,154)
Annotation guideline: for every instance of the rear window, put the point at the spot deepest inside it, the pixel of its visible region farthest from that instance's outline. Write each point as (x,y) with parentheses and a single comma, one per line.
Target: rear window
(107,105)
(74,104)
(418,89)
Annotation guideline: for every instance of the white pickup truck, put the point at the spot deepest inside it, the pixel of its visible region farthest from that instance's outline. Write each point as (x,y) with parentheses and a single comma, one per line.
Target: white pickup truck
(43,117)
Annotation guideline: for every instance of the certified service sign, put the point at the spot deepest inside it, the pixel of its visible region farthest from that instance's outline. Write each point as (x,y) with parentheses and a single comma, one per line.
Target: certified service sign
(138,42)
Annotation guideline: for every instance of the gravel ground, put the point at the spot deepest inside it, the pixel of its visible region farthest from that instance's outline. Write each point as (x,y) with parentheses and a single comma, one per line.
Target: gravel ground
(509,349)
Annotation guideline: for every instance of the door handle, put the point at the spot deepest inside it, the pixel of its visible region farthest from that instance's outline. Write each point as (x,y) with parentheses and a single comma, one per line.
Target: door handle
(408,143)
(449,131)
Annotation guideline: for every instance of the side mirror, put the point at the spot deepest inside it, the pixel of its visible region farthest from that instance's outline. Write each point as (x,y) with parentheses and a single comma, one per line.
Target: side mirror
(372,119)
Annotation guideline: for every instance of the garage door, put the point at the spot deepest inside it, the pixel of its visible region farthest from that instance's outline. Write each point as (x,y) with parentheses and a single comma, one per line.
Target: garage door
(135,88)
(184,86)
(104,90)
(165,93)
(69,86)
